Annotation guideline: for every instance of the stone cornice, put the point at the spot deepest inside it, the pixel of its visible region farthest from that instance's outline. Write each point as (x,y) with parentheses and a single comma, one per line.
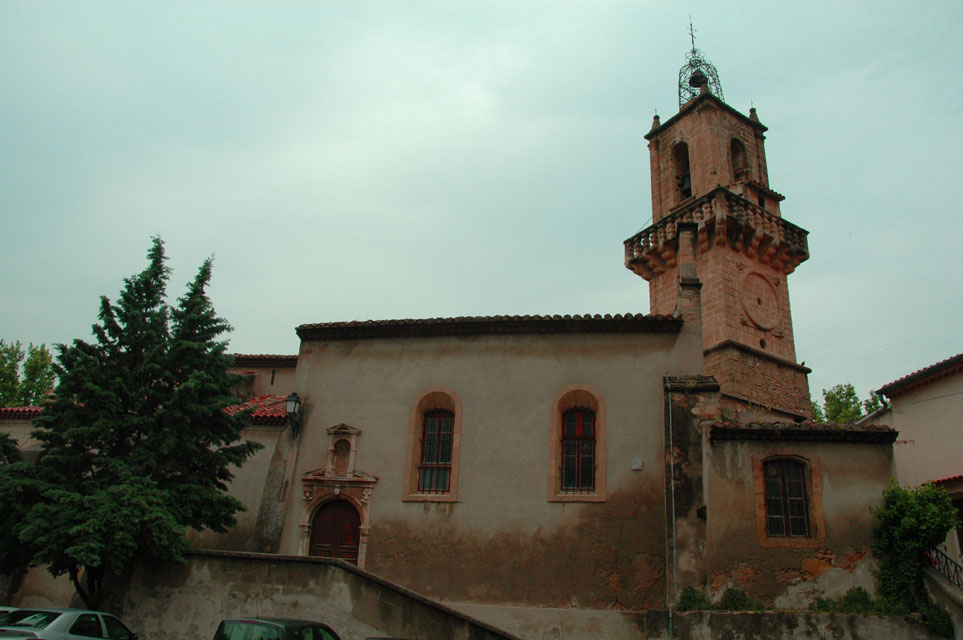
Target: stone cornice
(709,99)
(759,353)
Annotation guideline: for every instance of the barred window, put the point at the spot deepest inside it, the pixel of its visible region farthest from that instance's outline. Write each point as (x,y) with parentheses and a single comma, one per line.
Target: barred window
(434,472)
(578,450)
(787,499)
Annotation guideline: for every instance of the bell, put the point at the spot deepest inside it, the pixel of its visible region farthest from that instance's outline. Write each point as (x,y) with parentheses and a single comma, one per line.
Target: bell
(697,79)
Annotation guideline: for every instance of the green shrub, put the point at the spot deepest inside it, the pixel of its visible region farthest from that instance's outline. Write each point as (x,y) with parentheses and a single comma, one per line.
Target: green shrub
(856,600)
(693,600)
(738,600)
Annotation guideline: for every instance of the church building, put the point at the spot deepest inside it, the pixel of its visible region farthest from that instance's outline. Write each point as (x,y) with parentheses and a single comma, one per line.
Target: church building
(584,461)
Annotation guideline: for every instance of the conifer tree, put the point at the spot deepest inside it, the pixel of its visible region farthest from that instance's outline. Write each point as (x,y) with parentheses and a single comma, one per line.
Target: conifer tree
(136,445)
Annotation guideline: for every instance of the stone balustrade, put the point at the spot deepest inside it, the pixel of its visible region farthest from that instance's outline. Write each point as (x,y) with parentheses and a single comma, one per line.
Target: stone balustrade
(722,218)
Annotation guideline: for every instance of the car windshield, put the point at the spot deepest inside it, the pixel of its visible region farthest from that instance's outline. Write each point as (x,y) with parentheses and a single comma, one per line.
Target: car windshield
(29,618)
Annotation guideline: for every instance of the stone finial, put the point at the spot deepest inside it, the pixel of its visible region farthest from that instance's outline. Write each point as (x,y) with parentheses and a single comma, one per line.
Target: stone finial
(752,114)
(656,123)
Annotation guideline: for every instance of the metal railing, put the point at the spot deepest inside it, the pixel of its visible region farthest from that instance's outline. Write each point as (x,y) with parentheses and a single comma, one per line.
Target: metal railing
(947,566)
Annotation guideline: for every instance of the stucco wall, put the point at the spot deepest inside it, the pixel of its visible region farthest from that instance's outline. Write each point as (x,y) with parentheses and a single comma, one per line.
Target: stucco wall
(928,420)
(503,540)
(850,478)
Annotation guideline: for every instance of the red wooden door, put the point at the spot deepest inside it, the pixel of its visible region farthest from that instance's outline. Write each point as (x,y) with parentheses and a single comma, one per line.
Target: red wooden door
(335,531)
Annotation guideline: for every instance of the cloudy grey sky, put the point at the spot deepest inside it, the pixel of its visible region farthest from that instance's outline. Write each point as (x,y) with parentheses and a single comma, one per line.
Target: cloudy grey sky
(371,160)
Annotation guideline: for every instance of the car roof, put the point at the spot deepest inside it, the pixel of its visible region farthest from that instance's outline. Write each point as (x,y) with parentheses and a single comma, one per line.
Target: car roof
(282,621)
(59,610)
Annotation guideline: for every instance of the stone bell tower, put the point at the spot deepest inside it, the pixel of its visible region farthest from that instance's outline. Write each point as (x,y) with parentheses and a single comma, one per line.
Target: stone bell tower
(708,166)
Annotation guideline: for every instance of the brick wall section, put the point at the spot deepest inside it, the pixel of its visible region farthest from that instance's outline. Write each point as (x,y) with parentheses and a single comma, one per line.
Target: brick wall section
(773,388)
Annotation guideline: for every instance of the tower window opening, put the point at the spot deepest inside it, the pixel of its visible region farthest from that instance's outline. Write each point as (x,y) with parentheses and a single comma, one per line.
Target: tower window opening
(737,158)
(762,200)
(683,176)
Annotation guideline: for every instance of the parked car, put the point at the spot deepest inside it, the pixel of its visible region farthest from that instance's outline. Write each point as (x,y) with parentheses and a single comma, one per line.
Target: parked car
(274,629)
(4,610)
(63,624)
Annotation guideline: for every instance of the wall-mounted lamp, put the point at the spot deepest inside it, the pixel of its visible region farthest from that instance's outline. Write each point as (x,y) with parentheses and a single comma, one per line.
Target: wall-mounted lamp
(293,406)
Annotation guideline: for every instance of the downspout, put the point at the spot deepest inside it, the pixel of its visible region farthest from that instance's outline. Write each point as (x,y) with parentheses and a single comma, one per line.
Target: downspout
(670,515)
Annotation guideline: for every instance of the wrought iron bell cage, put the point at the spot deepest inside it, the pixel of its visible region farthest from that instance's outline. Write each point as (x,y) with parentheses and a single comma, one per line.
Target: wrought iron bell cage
(694,73)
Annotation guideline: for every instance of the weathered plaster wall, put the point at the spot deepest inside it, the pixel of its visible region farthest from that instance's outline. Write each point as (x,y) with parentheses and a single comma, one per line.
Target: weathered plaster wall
(850,477)
(928,421)
(503,540)
(186,602)
(278,381)
(37,588)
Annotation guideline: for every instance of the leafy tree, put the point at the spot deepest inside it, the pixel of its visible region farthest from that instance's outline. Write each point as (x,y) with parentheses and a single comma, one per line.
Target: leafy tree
(841,405)
(818,415)
(30,384)
(136,445)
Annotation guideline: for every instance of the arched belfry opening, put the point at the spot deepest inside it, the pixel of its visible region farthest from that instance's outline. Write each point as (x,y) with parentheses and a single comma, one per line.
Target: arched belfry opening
(683,175)
(737,160)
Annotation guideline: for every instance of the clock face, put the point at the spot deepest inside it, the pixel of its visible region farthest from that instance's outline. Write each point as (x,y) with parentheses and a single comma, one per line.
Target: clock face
(759,301)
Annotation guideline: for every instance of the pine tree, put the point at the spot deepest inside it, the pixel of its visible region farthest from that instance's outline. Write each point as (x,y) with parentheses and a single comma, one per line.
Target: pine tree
(136,446)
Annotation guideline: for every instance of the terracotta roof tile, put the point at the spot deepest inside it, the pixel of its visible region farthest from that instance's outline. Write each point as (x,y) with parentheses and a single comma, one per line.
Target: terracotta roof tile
(490,325)
(923,376)
(267,409)
(263,360)
(942,480)
(20,413)
(801,431)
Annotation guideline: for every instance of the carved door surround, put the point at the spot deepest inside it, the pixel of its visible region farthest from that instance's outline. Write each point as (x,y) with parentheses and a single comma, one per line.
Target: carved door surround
(337,480)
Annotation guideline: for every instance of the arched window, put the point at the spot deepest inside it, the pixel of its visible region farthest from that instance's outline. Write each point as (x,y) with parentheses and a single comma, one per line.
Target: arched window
(737,160)
(434,471)
(683,176)
(577,447)
(433,443)
(787,498)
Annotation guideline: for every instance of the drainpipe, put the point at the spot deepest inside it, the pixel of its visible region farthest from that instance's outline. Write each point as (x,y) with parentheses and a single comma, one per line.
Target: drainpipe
(670,517)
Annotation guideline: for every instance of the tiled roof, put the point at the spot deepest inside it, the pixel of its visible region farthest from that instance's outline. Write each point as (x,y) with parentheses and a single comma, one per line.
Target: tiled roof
(19,413)
(924,376)
(267,409)
(263,360)
(490,325)
(942,480)
(801,431)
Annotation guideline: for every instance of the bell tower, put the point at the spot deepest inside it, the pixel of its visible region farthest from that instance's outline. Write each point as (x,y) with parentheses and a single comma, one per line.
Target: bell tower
(708,167)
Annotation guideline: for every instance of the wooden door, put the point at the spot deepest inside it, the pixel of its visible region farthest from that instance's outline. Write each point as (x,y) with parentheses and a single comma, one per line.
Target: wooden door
(336,531)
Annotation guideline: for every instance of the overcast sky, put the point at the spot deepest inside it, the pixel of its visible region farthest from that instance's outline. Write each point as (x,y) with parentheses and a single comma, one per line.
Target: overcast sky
(373,160)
